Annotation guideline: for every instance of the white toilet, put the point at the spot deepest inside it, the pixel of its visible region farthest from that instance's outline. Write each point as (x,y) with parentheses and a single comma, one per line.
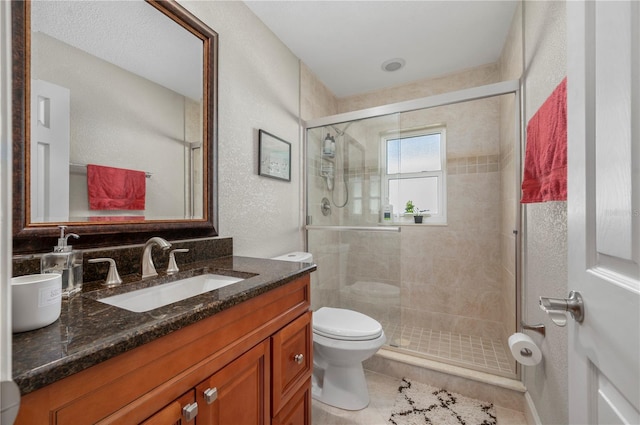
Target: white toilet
(342,340)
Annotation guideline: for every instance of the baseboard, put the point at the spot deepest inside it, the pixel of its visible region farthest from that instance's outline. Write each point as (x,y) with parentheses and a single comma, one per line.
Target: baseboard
(530,411)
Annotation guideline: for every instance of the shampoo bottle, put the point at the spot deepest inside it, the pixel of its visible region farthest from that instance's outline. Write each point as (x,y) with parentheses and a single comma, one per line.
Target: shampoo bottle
(329,146)
(387,214)
(65,261)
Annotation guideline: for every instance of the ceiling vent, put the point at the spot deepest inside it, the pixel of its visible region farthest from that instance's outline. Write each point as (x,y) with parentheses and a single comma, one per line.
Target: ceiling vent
(393,64)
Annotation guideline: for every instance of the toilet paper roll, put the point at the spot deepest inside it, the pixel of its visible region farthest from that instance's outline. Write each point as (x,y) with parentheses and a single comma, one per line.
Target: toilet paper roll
(524,350)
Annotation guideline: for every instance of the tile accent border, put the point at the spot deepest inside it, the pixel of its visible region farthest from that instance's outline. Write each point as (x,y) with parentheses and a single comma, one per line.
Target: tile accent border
(473,164)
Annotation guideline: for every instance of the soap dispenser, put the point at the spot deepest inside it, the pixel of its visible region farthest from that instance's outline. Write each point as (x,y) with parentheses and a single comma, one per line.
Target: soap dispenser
(65,261)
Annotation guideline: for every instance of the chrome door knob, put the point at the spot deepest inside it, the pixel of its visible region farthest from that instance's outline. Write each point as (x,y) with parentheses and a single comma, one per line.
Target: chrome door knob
(557,308)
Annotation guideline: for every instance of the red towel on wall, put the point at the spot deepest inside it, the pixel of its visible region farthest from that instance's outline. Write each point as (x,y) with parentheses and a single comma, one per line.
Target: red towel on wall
(115,188)
(545,163)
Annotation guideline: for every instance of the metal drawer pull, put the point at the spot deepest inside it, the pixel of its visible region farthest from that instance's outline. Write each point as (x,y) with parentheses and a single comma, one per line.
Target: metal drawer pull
(190,411)
(210,395)
(298,358)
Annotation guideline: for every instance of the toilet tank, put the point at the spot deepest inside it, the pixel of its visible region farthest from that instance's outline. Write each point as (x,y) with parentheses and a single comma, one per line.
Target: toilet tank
(301,257)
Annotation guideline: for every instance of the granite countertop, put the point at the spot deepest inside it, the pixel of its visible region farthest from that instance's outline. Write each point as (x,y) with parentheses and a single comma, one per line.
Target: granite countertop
(89,332)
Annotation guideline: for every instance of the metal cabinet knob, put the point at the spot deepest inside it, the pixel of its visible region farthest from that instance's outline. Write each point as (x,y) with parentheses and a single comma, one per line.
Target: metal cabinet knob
(298,358)
(190,411)
(210,395)
(557,308)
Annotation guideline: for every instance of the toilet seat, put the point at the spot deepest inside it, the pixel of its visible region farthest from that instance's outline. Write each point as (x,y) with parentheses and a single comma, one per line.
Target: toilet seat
(346,325)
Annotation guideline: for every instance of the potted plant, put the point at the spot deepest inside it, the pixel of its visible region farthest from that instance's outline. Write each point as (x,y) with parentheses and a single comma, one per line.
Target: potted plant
(410,208)
(417,215)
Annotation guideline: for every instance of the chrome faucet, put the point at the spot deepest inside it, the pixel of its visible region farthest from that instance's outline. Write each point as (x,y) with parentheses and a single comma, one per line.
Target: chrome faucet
(148,269)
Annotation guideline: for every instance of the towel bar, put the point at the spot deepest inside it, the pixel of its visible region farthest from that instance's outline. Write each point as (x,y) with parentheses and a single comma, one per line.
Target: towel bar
(82,169)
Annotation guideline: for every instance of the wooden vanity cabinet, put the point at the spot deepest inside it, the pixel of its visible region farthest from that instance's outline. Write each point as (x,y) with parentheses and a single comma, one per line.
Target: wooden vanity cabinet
(173,413)
(248,365)
(237,394)
(292,360)
(298,408)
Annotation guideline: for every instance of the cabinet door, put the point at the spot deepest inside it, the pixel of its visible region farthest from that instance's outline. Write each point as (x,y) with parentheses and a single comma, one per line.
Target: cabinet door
(292,359)
(298,410)
(239,393)
(179,412)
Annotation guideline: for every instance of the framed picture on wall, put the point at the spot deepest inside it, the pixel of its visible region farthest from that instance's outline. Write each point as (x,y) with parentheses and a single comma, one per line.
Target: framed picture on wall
(274,157)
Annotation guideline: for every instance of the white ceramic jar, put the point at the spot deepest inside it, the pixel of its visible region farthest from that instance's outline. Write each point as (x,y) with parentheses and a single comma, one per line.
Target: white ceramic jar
(36,301)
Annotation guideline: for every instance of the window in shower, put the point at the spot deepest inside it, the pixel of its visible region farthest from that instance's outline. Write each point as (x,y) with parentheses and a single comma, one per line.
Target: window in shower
(415,170)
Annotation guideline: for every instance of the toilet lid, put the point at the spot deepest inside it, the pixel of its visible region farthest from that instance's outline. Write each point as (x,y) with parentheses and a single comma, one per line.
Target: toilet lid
(338,323)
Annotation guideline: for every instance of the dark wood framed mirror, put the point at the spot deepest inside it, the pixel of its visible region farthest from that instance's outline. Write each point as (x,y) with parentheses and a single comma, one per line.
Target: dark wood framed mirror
(35,231)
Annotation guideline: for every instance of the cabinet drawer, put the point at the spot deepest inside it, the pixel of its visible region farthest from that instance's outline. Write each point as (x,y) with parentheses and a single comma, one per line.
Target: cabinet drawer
(291,360)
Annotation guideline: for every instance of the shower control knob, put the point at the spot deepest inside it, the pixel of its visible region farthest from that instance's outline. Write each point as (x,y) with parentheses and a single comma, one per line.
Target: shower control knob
(298,358)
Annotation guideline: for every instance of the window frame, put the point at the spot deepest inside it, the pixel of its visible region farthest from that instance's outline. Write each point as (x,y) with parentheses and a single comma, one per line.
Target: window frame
(441,217)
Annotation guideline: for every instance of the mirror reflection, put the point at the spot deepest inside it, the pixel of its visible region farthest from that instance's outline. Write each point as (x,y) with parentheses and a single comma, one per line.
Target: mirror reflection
(117,120)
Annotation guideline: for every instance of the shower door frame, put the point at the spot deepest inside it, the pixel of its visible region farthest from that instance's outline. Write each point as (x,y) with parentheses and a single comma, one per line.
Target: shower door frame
(459,96)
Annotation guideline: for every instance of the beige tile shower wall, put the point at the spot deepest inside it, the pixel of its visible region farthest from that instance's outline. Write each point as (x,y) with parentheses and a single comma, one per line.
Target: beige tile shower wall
(473,77)
(450,276)
(510,68)
(316,100)
(325,281)
(372,273)
(508,202)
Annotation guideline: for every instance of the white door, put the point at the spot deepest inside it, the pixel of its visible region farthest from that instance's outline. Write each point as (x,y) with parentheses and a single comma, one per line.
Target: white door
(604,210)
(50,111)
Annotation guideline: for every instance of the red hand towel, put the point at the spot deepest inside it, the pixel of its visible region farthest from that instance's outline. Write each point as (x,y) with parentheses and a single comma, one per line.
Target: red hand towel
(115,188)
(545,163)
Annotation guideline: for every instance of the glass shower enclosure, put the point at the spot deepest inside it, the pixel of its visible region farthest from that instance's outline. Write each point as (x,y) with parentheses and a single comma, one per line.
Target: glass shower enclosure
(444,289)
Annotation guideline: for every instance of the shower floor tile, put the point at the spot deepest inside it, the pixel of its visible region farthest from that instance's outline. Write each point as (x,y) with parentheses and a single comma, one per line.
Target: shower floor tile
(476,353)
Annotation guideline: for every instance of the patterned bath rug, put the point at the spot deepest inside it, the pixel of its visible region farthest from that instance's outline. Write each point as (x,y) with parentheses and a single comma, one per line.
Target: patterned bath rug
(420,404)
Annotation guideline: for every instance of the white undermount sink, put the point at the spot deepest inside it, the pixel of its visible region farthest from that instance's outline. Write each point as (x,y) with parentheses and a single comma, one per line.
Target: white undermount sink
(147,299)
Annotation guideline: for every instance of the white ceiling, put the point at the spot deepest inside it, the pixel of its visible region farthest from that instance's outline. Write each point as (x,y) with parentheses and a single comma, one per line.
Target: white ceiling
(345,43)
(131,35)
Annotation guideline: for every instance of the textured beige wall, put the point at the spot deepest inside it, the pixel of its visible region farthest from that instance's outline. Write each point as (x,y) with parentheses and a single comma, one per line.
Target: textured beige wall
(545,247)
(258,82)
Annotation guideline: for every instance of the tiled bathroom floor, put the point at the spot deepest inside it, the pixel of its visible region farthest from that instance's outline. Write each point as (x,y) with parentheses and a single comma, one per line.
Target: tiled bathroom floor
(477,353)
(382,391)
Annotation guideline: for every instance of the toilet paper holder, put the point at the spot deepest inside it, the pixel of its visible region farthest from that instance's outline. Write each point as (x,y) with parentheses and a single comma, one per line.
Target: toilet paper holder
(540,328)
(557,308)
